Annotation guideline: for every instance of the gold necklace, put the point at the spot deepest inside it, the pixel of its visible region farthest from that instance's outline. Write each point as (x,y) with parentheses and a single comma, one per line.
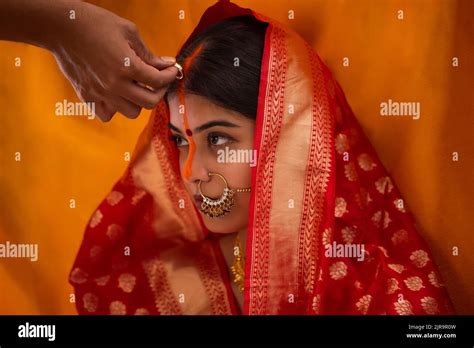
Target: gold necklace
(238,266)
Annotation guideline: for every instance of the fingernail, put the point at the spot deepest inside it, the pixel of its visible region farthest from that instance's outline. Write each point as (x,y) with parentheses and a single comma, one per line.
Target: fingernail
(170,60)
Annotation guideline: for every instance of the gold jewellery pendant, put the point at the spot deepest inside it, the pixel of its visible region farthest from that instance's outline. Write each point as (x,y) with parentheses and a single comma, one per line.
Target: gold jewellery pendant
(222,205)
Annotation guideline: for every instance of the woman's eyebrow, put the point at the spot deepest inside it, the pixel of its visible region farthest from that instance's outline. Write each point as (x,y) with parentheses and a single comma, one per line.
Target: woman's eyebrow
(176,129)
(215,123)
(206,125)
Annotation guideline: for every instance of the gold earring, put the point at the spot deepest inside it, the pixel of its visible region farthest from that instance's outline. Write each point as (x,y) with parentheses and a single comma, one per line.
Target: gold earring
(222,205)
(180,74)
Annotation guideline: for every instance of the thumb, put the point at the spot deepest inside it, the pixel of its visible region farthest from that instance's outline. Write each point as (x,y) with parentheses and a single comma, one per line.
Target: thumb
(163,62)
(148,57)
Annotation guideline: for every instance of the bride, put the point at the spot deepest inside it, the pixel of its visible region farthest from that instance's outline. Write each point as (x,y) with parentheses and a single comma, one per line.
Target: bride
(185,233)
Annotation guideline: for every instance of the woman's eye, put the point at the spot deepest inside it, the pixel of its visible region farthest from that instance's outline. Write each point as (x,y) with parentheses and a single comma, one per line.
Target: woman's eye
(179,141)
(217,140)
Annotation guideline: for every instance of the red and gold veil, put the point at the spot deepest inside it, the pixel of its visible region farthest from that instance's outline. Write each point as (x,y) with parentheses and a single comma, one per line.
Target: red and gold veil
(318,182)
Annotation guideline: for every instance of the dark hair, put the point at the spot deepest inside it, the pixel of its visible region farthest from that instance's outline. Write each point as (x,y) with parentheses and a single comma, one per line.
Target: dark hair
(213,74)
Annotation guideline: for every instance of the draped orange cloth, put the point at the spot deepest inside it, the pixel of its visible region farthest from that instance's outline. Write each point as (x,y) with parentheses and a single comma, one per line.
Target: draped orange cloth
(318,185)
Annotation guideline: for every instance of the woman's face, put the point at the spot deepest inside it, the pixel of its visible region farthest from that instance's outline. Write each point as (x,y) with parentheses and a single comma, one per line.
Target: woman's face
(216,132)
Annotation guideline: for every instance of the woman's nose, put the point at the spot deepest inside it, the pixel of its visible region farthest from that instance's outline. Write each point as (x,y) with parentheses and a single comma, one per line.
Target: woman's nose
(199,171)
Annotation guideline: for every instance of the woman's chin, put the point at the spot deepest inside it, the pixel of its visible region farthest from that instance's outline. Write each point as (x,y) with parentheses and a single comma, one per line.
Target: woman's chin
(221,225)
(217,226)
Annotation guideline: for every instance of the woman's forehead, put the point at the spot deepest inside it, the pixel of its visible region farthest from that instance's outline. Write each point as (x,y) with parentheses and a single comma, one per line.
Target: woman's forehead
(199,109)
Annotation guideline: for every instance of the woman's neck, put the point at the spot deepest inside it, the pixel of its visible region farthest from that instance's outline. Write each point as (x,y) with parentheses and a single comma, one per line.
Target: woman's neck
(227,244)
(243,240)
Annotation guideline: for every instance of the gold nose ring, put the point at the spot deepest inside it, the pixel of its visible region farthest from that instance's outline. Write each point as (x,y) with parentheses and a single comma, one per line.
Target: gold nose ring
(222,205)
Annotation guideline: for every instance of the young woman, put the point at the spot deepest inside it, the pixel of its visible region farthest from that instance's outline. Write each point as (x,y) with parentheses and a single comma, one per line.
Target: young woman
(198,225)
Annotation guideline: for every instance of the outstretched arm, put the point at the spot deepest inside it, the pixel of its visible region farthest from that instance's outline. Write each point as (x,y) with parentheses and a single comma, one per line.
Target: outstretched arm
(101,54)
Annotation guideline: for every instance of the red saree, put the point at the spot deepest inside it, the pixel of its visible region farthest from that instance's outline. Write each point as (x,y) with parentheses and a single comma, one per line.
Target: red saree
(317,183)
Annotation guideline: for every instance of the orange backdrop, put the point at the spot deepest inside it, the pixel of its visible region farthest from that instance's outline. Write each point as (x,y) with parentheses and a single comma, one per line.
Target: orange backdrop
(409,59)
